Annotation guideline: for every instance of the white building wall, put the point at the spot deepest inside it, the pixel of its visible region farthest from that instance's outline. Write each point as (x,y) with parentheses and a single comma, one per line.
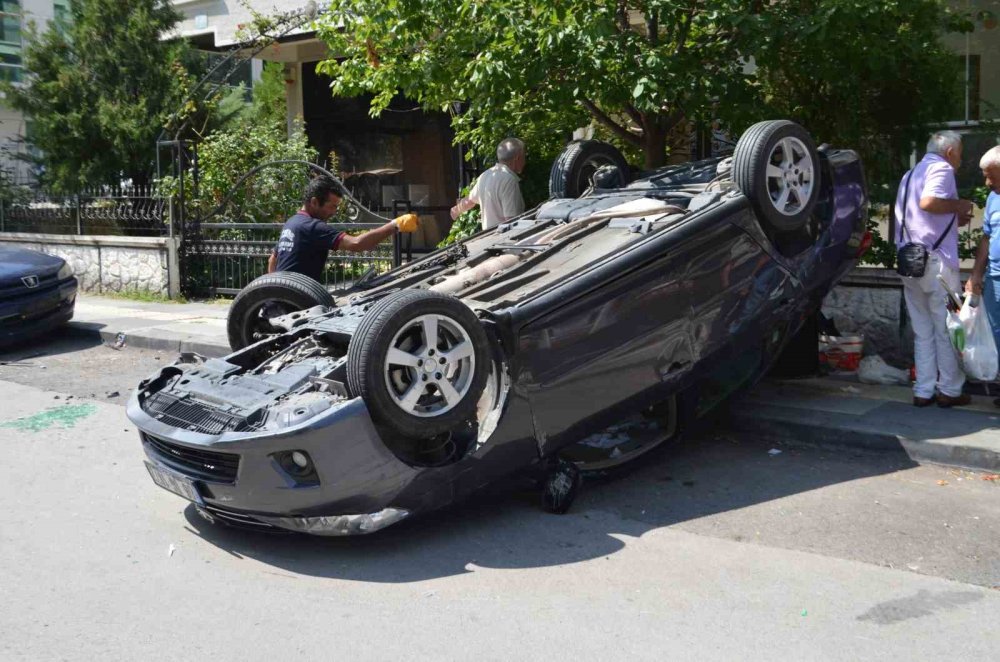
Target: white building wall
(12,122)
(221,19)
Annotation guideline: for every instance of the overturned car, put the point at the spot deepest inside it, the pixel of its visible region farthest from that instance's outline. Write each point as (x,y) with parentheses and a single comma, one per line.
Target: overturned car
(343,413)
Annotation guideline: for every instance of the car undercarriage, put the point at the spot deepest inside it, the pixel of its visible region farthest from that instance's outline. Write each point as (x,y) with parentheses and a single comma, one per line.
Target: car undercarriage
(509,350)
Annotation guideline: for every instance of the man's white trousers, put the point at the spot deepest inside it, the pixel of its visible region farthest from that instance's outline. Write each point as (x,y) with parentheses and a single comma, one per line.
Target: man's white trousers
(926,303)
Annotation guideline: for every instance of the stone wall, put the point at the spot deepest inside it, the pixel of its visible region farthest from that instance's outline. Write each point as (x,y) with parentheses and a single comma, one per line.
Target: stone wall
(110,263)
(869,301)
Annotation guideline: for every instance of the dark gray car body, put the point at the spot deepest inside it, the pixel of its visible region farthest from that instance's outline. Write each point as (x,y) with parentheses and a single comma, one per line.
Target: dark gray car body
(689,307)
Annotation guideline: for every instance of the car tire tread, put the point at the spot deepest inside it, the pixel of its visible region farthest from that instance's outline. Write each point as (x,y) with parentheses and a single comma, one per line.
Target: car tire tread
(365,360)
(286,286)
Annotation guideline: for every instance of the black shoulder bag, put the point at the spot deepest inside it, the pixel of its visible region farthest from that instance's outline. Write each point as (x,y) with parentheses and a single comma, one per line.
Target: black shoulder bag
(911,258)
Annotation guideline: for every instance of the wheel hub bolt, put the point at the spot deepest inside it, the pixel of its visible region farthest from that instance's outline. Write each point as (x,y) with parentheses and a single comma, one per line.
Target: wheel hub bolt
(437,375)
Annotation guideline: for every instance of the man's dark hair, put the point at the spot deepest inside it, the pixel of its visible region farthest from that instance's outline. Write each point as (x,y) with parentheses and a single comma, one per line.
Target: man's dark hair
(321,188)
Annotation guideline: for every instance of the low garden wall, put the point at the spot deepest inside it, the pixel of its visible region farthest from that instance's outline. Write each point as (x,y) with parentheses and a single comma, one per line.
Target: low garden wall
(869,301)
(105,263)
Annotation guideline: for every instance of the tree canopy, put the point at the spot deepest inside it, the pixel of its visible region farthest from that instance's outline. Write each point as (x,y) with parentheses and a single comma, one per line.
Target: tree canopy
(98,89)
(644,69)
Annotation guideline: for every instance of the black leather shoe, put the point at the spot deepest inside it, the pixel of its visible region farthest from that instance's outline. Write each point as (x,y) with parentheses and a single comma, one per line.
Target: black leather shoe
(957,401)
(927,402)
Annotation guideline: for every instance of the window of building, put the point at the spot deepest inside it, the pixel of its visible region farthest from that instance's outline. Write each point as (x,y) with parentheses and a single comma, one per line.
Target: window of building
(60,11)
(979,53)
(10,40)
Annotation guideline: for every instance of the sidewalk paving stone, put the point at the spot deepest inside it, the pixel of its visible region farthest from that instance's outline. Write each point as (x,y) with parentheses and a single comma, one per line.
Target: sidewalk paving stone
(180,327)
(838,413)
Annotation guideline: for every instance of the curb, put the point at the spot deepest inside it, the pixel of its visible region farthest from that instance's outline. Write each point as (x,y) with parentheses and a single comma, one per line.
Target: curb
(204,346)
(796,426)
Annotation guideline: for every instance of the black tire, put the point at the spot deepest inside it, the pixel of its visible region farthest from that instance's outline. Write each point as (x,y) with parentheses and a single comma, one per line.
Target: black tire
(369,374)
(758,148)
(273,294)
(560,487)
(572,171)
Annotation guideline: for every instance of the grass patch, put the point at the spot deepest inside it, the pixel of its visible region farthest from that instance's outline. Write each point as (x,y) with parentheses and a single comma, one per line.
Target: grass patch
(142,295)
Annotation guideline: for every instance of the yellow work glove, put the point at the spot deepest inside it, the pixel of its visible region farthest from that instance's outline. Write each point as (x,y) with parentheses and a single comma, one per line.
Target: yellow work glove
(407,222)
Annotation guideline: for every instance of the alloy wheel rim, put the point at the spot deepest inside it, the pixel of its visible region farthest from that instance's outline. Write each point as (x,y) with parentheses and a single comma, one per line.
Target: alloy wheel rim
(790,176)
(429,366)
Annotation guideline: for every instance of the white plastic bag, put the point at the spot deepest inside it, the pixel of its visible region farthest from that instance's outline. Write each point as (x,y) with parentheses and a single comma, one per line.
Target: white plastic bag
(873,370)
(979,353)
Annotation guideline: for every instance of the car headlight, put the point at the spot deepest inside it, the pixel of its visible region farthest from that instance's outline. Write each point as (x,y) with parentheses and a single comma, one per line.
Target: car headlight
(65,271)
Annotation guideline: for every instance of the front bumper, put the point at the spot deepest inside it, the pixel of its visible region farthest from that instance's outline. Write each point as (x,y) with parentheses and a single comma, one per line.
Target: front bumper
(28,316)
(234,478)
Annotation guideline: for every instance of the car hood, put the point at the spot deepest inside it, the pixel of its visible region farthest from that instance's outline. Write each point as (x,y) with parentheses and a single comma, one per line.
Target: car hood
(18,262)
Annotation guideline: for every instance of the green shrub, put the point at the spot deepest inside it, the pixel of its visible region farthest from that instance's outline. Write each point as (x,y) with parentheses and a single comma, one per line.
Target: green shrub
(269,196)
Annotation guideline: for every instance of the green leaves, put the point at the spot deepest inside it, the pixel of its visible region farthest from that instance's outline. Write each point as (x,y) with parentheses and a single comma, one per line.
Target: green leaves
(525,67)
(224,157)
(99,89)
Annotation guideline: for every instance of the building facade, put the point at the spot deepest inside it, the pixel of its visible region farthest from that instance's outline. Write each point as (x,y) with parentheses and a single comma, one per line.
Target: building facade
(978,53)
(15,16)
(404,157)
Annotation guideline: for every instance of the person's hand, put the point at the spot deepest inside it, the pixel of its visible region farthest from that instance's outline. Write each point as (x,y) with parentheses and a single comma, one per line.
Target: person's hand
(407,222)
(964,208)
(455,212)
(974,285)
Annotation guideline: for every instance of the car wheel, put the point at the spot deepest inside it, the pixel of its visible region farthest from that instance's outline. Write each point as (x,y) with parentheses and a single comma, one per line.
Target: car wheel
(271,295)
(776,166)
(572,172)
(420,361)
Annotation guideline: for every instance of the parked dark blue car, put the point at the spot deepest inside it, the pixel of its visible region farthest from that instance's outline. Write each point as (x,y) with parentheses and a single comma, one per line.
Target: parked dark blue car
(652,300)
(37,294)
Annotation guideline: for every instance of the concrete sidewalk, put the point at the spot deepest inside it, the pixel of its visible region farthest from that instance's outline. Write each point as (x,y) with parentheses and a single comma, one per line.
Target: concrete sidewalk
(176,327)
(844,413)
(815,411)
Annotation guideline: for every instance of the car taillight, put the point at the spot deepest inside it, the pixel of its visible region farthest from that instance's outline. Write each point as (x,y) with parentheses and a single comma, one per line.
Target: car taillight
(866,243)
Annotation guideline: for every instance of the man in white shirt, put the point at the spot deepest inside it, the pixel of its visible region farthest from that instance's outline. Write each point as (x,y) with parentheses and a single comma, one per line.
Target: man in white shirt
(929,212)
(498,190)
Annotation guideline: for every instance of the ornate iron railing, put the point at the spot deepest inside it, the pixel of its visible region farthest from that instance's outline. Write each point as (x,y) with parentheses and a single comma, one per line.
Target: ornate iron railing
(132,211)
(230,255)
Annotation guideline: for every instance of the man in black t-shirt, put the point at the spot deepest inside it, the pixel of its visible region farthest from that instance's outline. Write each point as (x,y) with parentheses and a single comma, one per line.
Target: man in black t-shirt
(306,239)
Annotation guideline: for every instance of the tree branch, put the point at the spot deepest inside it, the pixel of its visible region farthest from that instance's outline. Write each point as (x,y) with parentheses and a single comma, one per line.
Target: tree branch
(615,127)
(622,16)
(633,113)
(653,27)
(684,31)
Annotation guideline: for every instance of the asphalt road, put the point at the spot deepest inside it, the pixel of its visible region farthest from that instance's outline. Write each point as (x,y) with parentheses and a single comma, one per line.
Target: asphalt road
(712,549)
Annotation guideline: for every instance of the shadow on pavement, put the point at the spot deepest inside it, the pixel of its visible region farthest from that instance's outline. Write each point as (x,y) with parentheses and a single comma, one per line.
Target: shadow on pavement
(63,340)
(503,528)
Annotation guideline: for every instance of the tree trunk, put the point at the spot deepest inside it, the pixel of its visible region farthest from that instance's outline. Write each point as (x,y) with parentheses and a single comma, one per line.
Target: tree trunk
(654,144)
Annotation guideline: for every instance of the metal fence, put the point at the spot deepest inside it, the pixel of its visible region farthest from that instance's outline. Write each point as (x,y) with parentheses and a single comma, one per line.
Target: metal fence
(134,211)
(227,256)
(216,259)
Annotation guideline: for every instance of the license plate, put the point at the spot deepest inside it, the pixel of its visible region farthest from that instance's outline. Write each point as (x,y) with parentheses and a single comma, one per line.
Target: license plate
(177,484)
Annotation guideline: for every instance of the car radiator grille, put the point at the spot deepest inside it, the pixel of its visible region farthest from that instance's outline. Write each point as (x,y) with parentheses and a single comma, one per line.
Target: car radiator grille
(194,462)
(13,289)
(194,416)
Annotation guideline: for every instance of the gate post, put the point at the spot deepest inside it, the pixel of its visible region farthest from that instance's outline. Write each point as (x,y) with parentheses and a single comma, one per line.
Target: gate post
(170,217)
(79,218)
(401,207)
